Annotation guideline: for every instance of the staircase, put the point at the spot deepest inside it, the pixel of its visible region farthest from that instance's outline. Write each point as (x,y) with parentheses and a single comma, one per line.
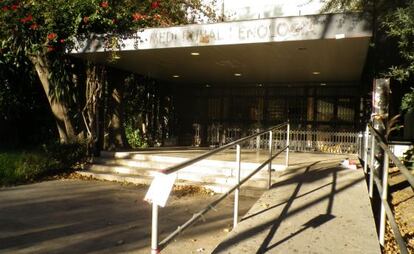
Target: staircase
(217,175)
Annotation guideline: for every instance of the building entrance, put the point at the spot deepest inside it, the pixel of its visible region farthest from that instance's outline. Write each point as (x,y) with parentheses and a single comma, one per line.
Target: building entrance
(223,113)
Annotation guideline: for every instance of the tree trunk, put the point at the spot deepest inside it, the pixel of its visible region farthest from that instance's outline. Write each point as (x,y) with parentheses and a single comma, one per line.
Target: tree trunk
(59,109)
(95,78)
(117,137)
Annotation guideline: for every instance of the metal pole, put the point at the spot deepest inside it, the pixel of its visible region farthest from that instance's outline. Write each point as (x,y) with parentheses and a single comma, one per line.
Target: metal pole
(372,167)
(236,193)
(269,183)
(287,144)
(154,232)
(366,150)
(384,197)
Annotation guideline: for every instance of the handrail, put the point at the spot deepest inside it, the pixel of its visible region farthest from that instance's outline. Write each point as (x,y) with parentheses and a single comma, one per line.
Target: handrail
(394,158)
(210,206)
(157,247)
(398,237)
(383,188)
(189,162)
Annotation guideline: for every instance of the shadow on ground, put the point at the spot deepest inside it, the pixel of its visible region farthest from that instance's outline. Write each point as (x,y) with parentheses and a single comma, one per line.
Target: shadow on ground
(74,216)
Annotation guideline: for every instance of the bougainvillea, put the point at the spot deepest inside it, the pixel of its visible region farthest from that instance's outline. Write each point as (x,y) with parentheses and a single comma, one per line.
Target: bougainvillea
(42,31)
(34,26)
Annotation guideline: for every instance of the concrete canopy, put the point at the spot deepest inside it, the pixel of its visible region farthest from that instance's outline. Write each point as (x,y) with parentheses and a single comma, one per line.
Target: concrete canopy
(317,48)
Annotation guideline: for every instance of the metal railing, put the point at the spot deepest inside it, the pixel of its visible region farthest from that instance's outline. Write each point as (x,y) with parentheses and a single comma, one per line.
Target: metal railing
(383,187)
(302,140)
(156,246)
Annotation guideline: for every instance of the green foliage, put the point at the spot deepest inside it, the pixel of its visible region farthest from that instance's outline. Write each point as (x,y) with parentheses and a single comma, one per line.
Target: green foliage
(40,32)
(24,115)
(399,24)
(148,107)
(407,101)
(409,158)
(28,166)
(48,26)
(134,137)
(22,167)
(66,155)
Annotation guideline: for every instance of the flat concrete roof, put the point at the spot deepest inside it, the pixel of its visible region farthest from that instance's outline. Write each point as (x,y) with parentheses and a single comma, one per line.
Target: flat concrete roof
(315,48)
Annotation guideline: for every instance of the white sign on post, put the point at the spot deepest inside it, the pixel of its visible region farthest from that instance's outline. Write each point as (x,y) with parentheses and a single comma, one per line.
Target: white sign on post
(160,189)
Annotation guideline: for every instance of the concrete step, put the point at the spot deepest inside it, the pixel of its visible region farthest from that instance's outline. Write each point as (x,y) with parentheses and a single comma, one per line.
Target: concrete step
(217,174)
(162,161)
(221,179)
(206,167)
(220,187)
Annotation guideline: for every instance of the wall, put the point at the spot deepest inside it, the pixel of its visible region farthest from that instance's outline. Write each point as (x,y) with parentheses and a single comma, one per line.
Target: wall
(234,10)
(253,9)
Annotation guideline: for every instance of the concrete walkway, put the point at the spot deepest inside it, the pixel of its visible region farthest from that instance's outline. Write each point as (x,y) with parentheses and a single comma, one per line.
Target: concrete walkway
(95,217)
(314,208)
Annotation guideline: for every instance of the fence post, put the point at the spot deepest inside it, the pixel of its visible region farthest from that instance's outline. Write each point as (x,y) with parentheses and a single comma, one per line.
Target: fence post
(366,150)
(269,183)
(384,196)
(287,144)
(236,193)
(154,232)
(258,140)
(372,167)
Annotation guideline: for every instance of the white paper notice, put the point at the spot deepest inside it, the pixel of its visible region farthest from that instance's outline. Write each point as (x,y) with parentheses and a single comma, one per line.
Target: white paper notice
(160,189)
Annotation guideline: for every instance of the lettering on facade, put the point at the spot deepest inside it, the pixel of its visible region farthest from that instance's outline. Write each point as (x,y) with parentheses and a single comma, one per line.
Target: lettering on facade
(267,30)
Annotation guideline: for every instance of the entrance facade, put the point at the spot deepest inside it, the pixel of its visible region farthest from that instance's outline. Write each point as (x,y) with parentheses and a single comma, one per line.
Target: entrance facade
(258,69)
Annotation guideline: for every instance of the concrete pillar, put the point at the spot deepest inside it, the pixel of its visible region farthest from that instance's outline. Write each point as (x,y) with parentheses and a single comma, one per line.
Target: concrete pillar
(380,106)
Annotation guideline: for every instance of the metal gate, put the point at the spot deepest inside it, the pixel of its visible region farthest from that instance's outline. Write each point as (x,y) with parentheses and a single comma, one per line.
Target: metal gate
(300,140)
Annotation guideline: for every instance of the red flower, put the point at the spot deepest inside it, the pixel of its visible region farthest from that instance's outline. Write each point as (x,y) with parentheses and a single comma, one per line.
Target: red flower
(34,26)
(85,19)
(14,7)
(50,48)
(62,41)
(104,4)
(137,16)
(155,4)
(51,36)
(5,8)
(26,19)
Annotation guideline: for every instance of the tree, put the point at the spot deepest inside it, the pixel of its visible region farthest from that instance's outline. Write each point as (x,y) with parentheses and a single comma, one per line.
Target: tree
(41,31)
(399,24)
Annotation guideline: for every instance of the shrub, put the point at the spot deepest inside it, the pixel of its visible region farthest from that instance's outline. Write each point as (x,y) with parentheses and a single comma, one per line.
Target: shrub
(27,166)
(407,101)
(65,155)
(22,167)
(134,137)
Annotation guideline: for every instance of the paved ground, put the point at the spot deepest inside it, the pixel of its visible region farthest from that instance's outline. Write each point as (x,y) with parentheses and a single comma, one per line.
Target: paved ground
(318,208)
(75,216)
(325,209)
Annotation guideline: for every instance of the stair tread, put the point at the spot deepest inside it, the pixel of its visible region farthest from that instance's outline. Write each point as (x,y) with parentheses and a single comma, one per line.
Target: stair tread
(151,177)
(180,173)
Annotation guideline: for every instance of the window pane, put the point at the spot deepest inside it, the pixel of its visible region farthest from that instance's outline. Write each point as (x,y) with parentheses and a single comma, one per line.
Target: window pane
(325,110)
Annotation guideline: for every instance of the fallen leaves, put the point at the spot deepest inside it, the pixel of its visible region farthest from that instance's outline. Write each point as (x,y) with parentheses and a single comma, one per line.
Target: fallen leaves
(402,201)
(190,190)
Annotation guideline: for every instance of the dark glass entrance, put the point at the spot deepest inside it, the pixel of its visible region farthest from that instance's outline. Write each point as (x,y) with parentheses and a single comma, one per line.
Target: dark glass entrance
(333,107)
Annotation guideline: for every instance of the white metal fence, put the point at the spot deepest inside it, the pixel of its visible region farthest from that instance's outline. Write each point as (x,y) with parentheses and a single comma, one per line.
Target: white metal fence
(301,140)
